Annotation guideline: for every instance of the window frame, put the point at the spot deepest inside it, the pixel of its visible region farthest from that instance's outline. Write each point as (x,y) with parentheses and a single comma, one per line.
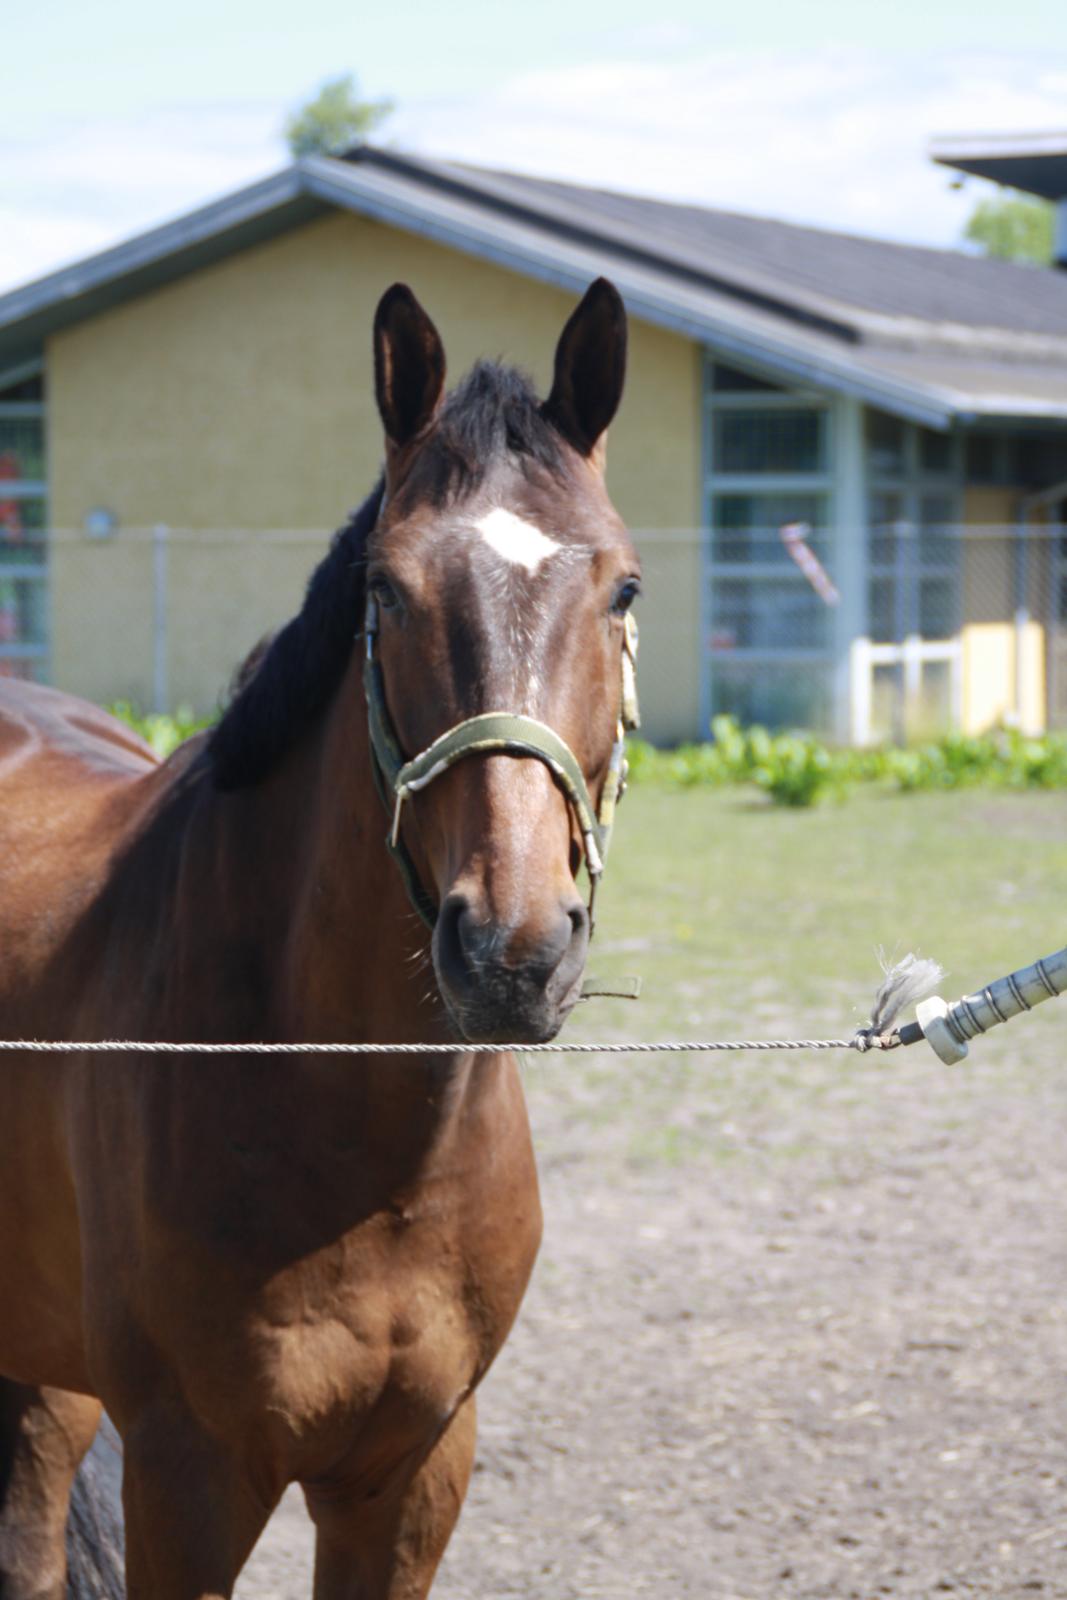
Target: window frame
(906,572)
(35,569)
(715,484)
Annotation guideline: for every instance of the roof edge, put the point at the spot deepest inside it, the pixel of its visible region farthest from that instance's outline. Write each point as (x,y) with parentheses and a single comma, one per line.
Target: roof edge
(490,191)
(144,249)
(527,245)
(653,296)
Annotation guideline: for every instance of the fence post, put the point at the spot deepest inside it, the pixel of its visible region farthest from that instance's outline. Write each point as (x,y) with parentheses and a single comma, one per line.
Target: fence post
(861,668)
(160,686)
(848,565)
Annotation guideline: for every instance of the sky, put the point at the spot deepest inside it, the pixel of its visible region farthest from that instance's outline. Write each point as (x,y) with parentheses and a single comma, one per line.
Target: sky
(818,111)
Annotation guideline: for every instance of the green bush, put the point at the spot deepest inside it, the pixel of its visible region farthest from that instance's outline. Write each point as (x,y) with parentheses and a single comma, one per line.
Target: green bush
(796,769)
(792,769)
(163,732)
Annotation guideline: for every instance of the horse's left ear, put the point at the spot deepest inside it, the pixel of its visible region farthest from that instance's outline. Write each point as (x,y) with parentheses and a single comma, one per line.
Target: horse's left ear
(590,368)
(409,365)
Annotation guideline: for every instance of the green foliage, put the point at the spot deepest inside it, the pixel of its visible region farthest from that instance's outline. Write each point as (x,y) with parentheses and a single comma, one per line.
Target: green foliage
(334,120)
(163,733)
(1004,759)
(792,769)
(1013,227)
(796,769)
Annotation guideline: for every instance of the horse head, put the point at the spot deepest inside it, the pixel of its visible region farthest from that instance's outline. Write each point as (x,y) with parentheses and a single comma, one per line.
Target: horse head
(498,580)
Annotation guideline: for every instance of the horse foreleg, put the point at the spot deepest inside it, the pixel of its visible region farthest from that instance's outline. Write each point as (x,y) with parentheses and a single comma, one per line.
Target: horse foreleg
(192,1512)
(43,1435)
(389,1549)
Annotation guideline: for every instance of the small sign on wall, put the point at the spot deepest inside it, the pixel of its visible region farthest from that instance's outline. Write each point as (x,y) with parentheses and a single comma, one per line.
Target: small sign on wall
(100,523)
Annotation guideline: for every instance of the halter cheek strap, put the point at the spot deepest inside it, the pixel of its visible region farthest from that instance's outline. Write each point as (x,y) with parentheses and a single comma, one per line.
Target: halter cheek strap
(491,733)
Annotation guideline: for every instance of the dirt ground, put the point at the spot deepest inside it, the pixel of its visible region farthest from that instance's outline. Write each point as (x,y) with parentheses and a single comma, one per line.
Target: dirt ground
(799,1326)
(813,1347)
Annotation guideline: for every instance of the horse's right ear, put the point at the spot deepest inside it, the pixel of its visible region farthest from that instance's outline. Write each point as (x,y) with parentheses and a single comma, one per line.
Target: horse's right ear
(409,365)
(590,368)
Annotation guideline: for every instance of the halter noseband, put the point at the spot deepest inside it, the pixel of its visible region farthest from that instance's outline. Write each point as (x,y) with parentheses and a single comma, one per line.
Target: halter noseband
(491,733)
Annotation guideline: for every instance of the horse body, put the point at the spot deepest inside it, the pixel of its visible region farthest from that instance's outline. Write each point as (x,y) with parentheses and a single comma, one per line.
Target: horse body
(312,1261)
(277,1268)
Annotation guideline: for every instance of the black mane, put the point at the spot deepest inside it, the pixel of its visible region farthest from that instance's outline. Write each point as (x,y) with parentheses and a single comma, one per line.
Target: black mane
(280,689)
(492,416)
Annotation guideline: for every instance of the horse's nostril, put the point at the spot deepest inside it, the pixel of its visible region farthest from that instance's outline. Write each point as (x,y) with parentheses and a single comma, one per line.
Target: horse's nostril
(473,951)
(464,942)
(450,940)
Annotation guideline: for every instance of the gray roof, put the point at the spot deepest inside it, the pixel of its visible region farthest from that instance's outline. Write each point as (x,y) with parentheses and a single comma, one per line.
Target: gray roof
(851,282)
(930,334)
(1036,163)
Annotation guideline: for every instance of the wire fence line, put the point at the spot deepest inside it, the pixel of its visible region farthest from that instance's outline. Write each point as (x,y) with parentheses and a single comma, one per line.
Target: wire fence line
(861,1041)
(891,631)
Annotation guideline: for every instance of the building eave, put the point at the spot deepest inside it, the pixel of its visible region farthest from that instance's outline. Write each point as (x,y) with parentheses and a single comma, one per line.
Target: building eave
(1035,163)
(521,244)
(148,260)
(649,294)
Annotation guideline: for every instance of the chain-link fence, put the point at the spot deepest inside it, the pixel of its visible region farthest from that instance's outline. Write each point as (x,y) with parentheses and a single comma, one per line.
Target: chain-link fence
(947,627)
(896,634)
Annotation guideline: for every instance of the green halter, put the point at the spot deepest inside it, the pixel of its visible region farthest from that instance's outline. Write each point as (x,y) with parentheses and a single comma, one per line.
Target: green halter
(491,733)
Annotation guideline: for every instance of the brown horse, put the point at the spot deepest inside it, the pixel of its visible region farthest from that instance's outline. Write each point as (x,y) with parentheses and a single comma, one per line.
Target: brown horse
(298,1268)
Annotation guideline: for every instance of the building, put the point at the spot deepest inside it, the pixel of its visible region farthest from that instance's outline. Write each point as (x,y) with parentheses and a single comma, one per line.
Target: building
(183,417)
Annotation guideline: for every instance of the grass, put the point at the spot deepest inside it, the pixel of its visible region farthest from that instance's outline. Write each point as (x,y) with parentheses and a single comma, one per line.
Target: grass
(749,920)
(721,899)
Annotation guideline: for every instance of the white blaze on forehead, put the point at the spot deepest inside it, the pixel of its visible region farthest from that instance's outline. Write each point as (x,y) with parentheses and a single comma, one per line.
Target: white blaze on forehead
(518,541)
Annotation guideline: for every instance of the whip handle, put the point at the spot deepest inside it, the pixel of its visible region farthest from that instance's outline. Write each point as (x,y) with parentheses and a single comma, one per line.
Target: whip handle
(949,1028)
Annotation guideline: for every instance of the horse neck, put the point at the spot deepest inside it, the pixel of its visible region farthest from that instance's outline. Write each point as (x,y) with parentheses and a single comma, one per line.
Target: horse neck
(317,901)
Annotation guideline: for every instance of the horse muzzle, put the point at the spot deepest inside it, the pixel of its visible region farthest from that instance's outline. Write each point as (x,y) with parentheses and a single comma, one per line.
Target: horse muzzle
(504,984)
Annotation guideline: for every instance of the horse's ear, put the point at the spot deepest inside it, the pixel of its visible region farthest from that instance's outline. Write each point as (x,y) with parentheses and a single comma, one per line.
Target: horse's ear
(409,365)
(590,368)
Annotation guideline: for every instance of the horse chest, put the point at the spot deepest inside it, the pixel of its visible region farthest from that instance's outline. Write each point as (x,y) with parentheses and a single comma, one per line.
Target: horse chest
(350,1357)
(351,1362)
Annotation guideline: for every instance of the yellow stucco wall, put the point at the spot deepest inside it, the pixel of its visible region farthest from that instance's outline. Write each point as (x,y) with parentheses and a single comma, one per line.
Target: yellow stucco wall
(240,398)
(1005,668)
(988,561)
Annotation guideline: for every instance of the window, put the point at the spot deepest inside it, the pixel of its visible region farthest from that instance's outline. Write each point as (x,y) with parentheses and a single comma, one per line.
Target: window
(768,441)
(731,380)
(1034,459)
(912,531)
(768,631)
(745,527)
(936,453)
(886,438)
(776,694)
(23,521)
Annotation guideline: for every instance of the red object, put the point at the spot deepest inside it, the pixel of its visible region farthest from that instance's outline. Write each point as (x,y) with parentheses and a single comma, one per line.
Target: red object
(10,510)
(794,536)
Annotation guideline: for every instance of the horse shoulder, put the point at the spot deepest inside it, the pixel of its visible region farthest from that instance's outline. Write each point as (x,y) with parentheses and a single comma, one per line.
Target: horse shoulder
(75,785)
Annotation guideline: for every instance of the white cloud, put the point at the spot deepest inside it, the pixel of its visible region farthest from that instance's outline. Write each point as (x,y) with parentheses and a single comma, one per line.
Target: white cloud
(835,137)
(87,186)
(831,136)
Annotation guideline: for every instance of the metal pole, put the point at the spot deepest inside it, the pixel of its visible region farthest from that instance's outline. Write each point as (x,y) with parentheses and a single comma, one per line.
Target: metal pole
(160,686)
(903,532)
(1041,498)
(850,558)
(1022,613)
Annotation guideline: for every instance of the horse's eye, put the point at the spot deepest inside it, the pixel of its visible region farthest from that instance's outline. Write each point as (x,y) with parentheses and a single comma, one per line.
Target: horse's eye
(625,596)
(384,593)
